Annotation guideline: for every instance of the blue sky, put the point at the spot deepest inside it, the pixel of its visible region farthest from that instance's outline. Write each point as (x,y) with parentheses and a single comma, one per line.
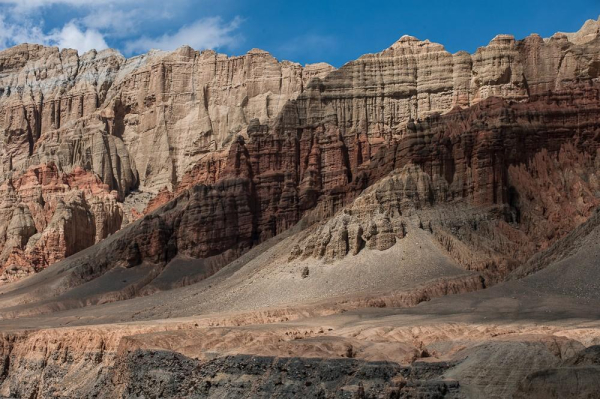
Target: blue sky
(307,31)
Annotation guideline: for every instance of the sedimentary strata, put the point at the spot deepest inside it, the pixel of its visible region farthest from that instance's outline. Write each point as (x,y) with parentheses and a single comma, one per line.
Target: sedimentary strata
(269,143)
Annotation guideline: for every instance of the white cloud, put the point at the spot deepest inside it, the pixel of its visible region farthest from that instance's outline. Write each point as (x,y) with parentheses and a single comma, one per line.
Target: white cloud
(89,24)
(114,22)
(202,34)
(121,22)
(71,36)
(28,5)
(11,34)
(21,21)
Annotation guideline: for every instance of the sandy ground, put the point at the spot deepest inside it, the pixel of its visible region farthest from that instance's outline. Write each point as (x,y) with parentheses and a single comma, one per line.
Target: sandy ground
(261,305)
(261,279)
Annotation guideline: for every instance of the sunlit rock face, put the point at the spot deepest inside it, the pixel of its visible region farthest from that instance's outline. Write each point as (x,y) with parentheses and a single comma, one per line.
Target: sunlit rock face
(92,142)
(115,125)
(486,131)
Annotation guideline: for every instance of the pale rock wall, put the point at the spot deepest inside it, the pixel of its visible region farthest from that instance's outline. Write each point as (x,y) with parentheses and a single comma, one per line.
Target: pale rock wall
(120,125)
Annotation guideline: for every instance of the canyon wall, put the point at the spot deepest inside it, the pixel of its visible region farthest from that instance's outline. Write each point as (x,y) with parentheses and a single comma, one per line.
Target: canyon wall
(120,125)
(516,150)
(250,145)
(471,176)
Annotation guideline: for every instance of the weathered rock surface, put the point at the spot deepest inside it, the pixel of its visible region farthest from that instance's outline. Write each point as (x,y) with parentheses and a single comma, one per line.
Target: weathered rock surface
(137,123)
(509,340)
(576,377)
(469,176)
(381,113)
(47,216)
(171,110)
(245,376)
(108,364)
(391,354)
(272,142)
(413,79)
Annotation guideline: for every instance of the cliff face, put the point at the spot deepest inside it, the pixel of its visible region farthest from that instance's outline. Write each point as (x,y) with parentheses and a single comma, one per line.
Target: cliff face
(413,79)
(118,125)
(492,183)
(48,215)
(271,142)
(509,134)
(173,111)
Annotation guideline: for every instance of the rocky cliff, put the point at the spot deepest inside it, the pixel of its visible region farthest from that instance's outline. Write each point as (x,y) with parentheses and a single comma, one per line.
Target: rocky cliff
(492,183)
(120,125)
(491,172)
(249,146)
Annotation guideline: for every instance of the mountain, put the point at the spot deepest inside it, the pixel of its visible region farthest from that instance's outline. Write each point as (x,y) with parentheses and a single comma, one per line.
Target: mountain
(89,139)
(197,224)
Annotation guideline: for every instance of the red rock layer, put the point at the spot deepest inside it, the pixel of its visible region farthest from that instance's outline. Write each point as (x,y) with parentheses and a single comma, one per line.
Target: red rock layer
(489,159)
(47,216)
